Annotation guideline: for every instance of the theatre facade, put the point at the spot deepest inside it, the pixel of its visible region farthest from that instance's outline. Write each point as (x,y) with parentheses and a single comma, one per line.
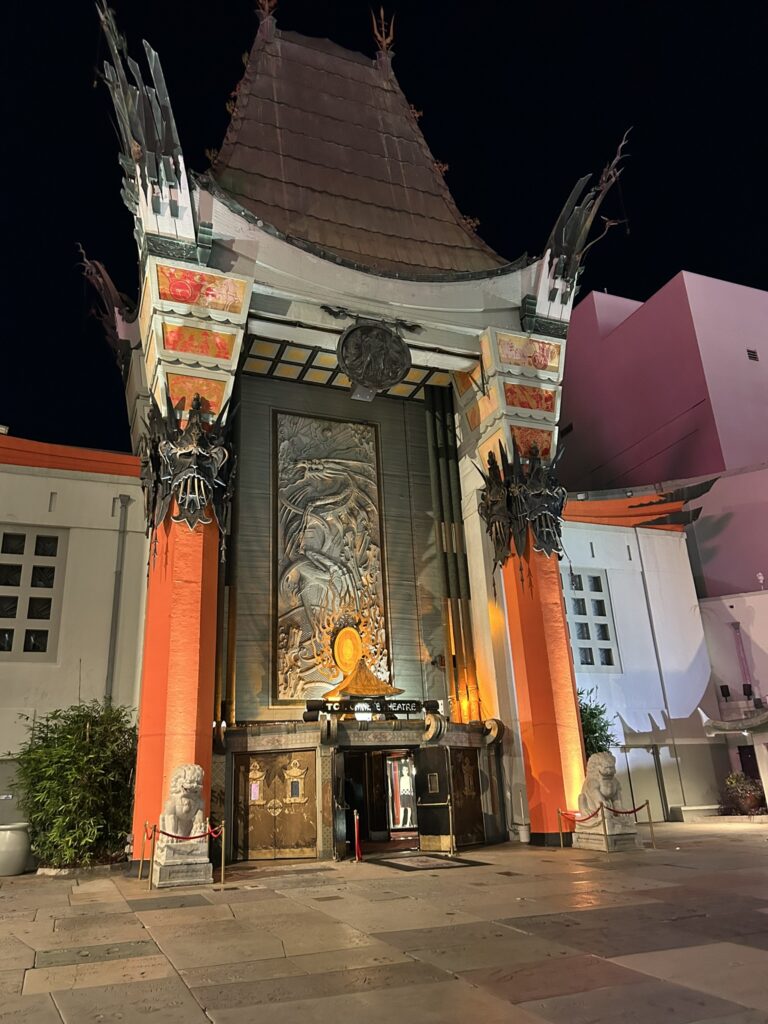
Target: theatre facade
(324,358)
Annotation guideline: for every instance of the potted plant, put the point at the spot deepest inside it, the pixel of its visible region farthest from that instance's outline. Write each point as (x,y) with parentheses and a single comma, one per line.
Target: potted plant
(743,794)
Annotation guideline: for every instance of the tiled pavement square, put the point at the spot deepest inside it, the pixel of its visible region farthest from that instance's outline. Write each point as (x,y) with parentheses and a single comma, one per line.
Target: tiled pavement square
(645,1003)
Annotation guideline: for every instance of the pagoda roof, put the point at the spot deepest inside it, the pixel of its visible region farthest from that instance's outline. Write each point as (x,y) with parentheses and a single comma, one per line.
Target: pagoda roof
(325,148)
(361,682)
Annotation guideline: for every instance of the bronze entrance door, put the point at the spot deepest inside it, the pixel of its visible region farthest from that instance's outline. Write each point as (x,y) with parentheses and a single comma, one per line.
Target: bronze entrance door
(275,805)
(468,824)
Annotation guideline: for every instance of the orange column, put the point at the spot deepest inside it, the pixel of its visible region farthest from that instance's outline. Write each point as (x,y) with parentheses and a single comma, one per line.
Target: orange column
(550,726)
(178,676)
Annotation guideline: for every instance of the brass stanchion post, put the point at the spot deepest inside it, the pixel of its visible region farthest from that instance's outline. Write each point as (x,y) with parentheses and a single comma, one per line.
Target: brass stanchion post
(152,858)
(605,827)
(650,823)
(223,849)
(452,845)
(143,846)
(560,826)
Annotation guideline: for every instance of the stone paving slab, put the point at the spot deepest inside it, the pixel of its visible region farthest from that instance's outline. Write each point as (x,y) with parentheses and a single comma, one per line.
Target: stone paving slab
(540,981)
(299,939)
(592,931)
(88,931)
(317,986)
(218,942)
(644,1003)
(92,954)
(163,1001)
(11,982)
(248,970)
(90,975)
(88,909)
(434,1003)
(168,902)
(374,954)
(15,954)
(185,915)
(497,953)
(456,935)
(726,969)
(39,1009)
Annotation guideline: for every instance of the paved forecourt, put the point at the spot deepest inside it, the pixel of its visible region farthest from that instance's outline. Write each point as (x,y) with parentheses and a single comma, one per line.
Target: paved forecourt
(505,934)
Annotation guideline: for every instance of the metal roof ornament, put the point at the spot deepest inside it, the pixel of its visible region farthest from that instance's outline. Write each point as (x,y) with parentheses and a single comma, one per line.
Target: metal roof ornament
(383,32)
(193,464)
(517,499)
(568,243)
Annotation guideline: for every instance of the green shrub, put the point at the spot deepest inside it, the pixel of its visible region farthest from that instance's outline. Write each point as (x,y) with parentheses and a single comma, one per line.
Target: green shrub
(75,772)
(595,724)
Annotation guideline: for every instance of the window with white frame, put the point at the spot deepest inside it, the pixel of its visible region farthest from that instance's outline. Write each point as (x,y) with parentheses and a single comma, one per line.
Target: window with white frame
(590,620)
(32,563)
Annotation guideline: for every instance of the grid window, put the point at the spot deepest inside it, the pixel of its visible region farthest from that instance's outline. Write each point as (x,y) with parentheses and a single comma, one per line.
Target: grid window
(46,546)
(590,621)
(13,543)
(31,581)
(10,575)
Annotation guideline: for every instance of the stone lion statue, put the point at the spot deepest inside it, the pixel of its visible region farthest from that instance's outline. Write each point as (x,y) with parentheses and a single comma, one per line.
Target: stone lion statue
(602,787)
(183,814)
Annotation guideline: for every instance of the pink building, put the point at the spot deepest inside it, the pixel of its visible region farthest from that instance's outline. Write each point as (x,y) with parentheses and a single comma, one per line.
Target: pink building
(671,388)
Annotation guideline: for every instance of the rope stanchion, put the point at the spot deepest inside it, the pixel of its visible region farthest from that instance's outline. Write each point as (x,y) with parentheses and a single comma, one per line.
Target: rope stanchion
(358,850)
(605,827)
(152,858)
(223,834)
(144,838)
(560,827)
(650,823)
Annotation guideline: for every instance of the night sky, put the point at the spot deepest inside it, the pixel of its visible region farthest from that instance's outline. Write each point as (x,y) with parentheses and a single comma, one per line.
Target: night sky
(519,98)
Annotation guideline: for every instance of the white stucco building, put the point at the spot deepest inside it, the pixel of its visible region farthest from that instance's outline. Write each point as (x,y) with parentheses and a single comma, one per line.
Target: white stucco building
(72,572)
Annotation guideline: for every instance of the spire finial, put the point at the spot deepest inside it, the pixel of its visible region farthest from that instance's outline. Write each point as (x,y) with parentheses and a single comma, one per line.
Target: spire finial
(383,32)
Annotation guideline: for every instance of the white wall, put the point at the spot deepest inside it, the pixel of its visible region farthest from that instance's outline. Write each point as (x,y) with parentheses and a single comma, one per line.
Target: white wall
(665,670)
(751,612)
(86,506)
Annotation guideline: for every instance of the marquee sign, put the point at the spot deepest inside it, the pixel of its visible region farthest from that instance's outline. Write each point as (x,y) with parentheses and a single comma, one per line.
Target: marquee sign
(370,706)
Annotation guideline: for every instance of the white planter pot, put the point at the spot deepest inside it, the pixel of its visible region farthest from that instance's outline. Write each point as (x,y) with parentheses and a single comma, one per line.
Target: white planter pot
(524,833)
(14,848)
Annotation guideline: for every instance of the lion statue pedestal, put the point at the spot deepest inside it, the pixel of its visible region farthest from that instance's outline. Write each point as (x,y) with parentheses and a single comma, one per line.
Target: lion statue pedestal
(602,787)
(183,861)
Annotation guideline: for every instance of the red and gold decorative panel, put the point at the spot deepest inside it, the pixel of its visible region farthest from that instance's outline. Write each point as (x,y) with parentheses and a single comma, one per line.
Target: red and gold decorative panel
(537,355)
(523,396)
(194,288)
(182,386)
(195,340)
(526,437)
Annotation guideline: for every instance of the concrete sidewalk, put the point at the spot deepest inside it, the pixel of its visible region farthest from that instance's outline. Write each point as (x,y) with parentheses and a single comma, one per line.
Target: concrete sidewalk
(505,934)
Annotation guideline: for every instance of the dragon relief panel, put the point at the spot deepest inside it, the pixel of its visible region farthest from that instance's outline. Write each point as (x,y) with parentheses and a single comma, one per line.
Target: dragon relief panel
(328,552)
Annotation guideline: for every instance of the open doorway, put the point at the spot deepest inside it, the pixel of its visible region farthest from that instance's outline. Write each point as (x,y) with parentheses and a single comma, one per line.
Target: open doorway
(380,785)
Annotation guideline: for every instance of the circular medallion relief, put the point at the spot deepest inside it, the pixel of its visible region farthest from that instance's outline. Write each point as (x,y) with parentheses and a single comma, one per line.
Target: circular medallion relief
(347,649)
(373,355)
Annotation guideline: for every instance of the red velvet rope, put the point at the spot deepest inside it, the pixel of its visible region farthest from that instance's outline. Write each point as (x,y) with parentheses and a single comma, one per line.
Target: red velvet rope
(633,810)
(213,832)
(573,814)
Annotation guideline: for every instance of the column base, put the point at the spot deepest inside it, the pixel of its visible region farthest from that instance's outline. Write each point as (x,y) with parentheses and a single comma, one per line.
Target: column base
(551,839)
